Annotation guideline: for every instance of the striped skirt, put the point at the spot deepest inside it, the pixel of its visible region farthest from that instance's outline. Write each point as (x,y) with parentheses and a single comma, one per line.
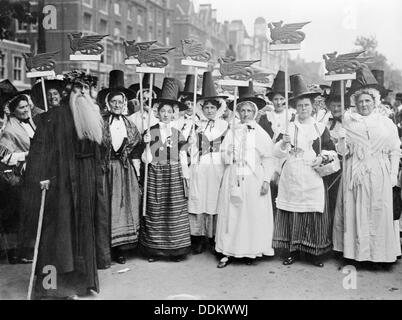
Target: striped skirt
(309,232)
(124,204)
(203,224)
(165,230)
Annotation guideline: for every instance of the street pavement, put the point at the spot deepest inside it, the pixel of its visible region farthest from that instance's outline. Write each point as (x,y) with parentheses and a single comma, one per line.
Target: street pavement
(197,277)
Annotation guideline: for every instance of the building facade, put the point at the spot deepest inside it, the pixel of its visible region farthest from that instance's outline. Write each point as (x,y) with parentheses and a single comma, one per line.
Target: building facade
(12,63)
(199,24)
(140,20)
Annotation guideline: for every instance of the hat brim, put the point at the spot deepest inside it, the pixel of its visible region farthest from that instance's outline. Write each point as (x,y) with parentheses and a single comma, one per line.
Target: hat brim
(181,105)
(104,92)
(258,101)
(189,94)
(136,87)
(309,94)
(377,87)
(212,98)
(271,94)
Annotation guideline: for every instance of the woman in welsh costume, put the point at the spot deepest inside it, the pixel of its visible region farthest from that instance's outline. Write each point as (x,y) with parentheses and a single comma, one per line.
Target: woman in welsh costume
(165,229)
(364,229)
(14,148)
(120,139)
(245,218)
(207,168)
(303,222)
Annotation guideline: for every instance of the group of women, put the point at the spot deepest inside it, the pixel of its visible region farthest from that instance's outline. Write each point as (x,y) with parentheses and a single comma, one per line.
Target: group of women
(256,182)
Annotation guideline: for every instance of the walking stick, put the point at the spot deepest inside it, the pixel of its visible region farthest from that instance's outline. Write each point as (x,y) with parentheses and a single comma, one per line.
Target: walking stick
(44,185)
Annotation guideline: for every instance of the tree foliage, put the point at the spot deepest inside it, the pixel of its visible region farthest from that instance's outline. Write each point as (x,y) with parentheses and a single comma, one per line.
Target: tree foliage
(10,10)
(393,77)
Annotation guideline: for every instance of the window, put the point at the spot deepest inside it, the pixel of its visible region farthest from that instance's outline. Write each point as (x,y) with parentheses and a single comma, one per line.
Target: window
(150,15)
(34,27)
(2,65)
(139,38)
(87,3)
(17,68)
(109,54)
(116,8)
(104,6)
(87,22)
(117,30)
(103,26)
(168,40)
(129,33)
(167,22)
(130,13)
(150,34)
(140,21)
(22,26)
(159,18)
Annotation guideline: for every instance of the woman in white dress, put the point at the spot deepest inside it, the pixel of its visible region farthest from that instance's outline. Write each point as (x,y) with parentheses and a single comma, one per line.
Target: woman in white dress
(245,218)
(364,229)
(207,166)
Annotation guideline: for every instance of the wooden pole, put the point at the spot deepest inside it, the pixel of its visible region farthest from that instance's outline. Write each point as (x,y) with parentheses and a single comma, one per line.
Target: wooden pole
(141,102)
(343,181)
(234,121)
(147,150)
(286,94)
(44,186)
(44,93)
(192,131)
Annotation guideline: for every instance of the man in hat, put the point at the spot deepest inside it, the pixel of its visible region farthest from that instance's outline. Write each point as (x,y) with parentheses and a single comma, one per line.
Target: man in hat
(65,151)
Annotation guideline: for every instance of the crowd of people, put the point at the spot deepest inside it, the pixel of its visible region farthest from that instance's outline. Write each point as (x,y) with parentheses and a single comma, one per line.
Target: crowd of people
(151,170)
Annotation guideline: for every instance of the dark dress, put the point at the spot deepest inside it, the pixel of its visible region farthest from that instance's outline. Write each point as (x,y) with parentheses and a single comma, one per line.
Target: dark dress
(68,232)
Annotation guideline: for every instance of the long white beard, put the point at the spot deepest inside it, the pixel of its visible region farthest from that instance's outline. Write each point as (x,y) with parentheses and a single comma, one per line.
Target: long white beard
(87,118)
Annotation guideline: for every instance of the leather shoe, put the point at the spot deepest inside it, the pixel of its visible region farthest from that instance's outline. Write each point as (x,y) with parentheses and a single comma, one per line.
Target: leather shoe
(289,260)
(223,262)
(121,259)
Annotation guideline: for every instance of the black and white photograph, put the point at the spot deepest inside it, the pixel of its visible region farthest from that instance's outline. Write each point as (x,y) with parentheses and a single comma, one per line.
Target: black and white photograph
(205,152)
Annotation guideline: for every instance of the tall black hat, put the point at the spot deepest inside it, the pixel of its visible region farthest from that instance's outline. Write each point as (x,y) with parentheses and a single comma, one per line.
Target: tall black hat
(379,76)
(170,94)
(364,79)
(189,87)
(208,88)
(398,96)
(248,94)
(278,86)
(146,81)
(299,88)
(335,91)
(116,83)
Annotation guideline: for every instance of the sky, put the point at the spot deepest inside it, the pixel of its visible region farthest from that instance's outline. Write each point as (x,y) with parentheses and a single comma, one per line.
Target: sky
(335,24)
